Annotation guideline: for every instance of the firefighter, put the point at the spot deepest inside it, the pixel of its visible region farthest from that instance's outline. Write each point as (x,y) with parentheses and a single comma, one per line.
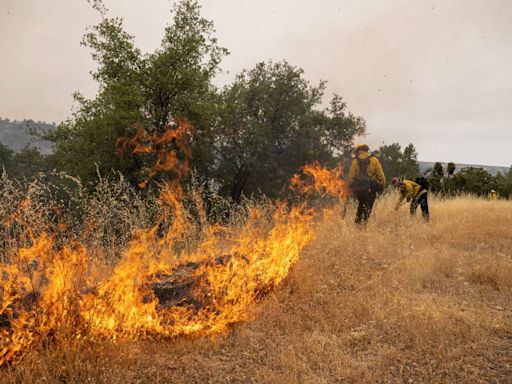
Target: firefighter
(365,179)
(493,196)
(414,191)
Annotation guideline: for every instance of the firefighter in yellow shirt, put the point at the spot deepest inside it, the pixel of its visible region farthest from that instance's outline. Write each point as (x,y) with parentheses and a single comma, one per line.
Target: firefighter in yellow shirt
(493,196)
(414,191)
(365,179)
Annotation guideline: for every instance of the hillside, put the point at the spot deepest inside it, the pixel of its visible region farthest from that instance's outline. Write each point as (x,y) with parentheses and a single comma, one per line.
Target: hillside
(401,301)
(16,134)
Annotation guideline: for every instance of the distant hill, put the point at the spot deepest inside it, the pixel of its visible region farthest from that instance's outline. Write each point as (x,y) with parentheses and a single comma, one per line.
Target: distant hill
(16,134)
(493,170)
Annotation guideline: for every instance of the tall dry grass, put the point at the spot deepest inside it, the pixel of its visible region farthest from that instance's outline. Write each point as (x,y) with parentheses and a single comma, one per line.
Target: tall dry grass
(102,216)
(399,301)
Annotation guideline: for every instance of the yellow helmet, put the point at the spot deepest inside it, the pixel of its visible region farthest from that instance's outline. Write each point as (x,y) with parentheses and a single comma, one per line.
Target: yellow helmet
(362,147)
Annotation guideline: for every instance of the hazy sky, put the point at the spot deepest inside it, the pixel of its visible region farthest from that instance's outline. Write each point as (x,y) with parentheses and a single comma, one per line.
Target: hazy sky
(434,73)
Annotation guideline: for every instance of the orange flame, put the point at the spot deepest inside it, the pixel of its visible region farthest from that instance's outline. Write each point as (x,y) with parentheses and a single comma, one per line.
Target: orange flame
(167,147)
(185,281)
(320,181)
(56,293)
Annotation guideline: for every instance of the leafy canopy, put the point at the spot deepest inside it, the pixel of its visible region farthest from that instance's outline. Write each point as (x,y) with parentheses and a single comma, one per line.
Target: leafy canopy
(149,90)
(249,138)
(270,125)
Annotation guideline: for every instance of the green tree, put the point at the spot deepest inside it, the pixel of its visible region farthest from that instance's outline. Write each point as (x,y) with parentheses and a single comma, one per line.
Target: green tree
(507,187)
(473,180)
(438,171)
(450,168)
(250,138)
(152,91)
(5,158)
(410,165)
(270,126)
(396,162)
(503,184)
(390,157)
(27,162)
(448,182)
(436,177)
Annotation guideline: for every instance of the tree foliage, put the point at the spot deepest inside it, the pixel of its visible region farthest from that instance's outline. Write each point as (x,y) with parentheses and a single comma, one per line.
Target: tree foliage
(5,157)
(152,91)
(450,168)
(270,125)
(24,163)
(473,180)
(249,137)
(470,180)
(395,162)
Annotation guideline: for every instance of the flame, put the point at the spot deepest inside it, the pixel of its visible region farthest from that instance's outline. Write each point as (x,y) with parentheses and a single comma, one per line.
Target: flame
(192,279)
(320,181)
(170,148)
(57,294)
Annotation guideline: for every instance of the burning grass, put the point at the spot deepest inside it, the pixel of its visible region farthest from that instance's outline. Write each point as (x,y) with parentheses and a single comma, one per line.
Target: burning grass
(401,301)
(191,278)
(183,275)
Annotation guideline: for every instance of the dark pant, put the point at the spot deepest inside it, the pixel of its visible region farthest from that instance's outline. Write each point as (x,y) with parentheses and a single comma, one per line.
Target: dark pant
(365,201)
(421,200)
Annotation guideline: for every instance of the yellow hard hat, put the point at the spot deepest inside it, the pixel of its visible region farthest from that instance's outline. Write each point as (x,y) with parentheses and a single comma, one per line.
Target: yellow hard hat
(362,147)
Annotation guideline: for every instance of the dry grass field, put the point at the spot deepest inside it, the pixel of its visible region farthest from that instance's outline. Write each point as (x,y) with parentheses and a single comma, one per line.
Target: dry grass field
(399,302)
